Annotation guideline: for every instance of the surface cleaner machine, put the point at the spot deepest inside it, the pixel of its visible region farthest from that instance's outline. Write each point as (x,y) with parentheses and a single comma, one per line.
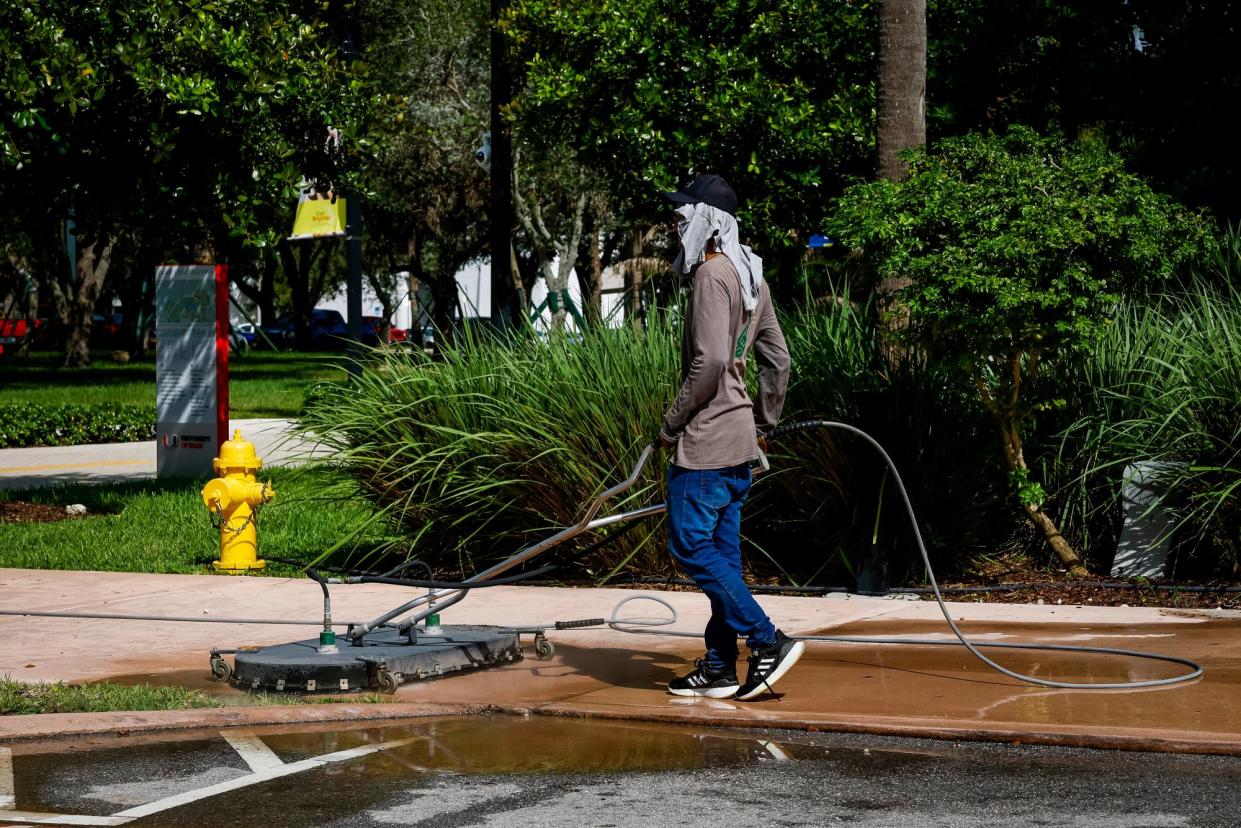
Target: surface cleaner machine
(408,643)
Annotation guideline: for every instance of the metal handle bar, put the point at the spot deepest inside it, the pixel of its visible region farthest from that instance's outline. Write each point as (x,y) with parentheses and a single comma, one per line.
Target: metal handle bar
(587,522)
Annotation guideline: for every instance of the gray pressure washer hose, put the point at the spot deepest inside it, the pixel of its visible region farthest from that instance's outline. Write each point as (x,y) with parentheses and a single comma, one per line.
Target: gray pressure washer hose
(635,625)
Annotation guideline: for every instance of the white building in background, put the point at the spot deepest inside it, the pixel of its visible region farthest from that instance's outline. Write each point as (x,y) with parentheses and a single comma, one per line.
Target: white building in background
(474,298)
(612,302)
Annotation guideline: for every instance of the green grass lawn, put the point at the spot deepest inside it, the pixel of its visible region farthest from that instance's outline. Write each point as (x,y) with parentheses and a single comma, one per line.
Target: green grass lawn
(261,384)
(151,526)
(22,698)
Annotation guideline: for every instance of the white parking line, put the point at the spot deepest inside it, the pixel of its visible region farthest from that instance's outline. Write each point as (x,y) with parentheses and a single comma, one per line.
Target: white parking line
(252,749)
(774,749)
(177,800)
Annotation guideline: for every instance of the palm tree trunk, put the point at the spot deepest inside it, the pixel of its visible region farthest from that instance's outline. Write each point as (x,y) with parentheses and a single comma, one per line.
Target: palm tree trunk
(902,83)
(902,126)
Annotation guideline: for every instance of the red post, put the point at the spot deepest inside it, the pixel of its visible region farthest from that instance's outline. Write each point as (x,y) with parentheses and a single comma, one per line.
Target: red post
(221,355)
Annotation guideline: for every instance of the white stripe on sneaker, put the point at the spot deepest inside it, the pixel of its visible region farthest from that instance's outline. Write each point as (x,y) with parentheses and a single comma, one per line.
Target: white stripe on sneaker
(766,683)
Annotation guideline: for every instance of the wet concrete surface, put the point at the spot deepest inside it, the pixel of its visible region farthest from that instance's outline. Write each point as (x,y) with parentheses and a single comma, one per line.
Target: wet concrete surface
(836,684)
(534,771)
(935,691)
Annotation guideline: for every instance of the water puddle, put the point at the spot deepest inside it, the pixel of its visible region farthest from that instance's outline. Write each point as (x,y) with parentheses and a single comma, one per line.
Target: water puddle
(543,744)
(311,771)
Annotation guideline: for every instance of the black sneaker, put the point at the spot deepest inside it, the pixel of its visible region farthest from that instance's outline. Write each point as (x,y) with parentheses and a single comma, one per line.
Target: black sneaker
(703,682)
(769,664)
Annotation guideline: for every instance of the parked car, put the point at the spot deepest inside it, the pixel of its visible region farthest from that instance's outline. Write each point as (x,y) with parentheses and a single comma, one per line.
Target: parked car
(107,330)
(246,331)
(237,342)
(372,326)
(328,330)
(15,332)
(280,332)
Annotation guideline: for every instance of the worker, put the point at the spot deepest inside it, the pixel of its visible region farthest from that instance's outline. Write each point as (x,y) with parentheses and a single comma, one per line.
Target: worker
(715,433)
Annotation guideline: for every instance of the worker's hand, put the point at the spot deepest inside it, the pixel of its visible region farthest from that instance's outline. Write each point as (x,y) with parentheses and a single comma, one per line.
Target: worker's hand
(761,439)
(661,441)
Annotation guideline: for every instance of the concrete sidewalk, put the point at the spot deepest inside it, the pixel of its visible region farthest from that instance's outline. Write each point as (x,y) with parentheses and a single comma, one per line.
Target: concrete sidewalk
(940,692)
(24,468)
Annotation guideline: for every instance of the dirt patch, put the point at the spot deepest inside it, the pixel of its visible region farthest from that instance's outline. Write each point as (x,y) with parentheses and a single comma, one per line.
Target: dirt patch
(1196,596)
(23,511)
(1037,588)
(1013,580)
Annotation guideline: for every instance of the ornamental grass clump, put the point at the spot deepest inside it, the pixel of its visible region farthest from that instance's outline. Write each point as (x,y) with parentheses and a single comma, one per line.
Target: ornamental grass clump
(498,441)
(830,503)
(1163,384)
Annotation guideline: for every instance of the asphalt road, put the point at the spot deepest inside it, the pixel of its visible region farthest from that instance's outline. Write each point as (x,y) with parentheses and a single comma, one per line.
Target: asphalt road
(542,772)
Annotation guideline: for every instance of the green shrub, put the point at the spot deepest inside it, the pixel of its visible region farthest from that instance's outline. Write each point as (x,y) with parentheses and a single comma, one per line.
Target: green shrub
(1016,248)
(831,499)
(33,424)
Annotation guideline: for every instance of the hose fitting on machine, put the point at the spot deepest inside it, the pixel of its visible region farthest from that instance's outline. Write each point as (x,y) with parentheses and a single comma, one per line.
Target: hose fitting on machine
(327,636)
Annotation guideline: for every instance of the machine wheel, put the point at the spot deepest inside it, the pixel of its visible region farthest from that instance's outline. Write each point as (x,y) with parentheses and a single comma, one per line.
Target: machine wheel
(220,669)
(543,649)
(388,682)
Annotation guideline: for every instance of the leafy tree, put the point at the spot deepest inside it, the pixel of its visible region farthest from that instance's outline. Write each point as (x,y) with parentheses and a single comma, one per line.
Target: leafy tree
(1158,77)
(1018,248)
(776,96)
(161,125)
(427,198)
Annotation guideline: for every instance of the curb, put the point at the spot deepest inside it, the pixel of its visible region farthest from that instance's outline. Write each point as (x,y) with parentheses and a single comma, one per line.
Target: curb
(57,726)
(64,726)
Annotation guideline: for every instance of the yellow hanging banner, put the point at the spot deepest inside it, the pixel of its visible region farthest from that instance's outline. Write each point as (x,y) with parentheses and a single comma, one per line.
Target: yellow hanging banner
(319,218)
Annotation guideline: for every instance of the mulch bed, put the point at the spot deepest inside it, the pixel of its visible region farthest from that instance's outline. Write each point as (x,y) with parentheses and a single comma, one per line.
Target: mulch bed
(1025,584)
(1179,596)
(23,511)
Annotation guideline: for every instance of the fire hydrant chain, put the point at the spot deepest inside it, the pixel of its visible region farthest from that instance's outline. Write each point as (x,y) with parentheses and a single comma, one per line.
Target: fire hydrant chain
(213,514)
(233,500)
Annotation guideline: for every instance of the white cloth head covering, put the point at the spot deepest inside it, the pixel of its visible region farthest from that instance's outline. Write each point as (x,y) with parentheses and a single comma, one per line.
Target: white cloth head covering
(700,223)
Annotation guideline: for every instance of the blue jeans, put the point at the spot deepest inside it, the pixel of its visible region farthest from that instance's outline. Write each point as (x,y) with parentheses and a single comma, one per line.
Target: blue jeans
(704,536)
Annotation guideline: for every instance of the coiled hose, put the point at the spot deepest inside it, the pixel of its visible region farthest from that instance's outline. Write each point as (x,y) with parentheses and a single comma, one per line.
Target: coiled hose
(643,625)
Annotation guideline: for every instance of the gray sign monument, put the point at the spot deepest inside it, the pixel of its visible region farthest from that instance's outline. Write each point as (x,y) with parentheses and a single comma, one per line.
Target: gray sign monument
(191,368)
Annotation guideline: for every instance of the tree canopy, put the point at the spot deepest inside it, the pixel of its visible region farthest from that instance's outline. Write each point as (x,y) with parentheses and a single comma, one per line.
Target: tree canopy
(210,106)
(167,126)
(776,96)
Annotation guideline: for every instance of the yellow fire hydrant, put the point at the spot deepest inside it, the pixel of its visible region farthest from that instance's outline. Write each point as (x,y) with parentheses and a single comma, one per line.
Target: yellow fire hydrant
(233,499)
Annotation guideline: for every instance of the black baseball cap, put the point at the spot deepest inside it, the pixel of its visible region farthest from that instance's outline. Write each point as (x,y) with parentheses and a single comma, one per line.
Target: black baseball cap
(709,189)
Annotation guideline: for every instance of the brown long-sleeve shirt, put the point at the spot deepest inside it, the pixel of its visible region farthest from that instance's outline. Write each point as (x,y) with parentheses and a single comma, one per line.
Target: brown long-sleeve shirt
(712,419)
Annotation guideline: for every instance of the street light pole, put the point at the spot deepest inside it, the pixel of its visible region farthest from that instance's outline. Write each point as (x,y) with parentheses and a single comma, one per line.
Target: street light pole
(353,242)
(502,292)
(353,285)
